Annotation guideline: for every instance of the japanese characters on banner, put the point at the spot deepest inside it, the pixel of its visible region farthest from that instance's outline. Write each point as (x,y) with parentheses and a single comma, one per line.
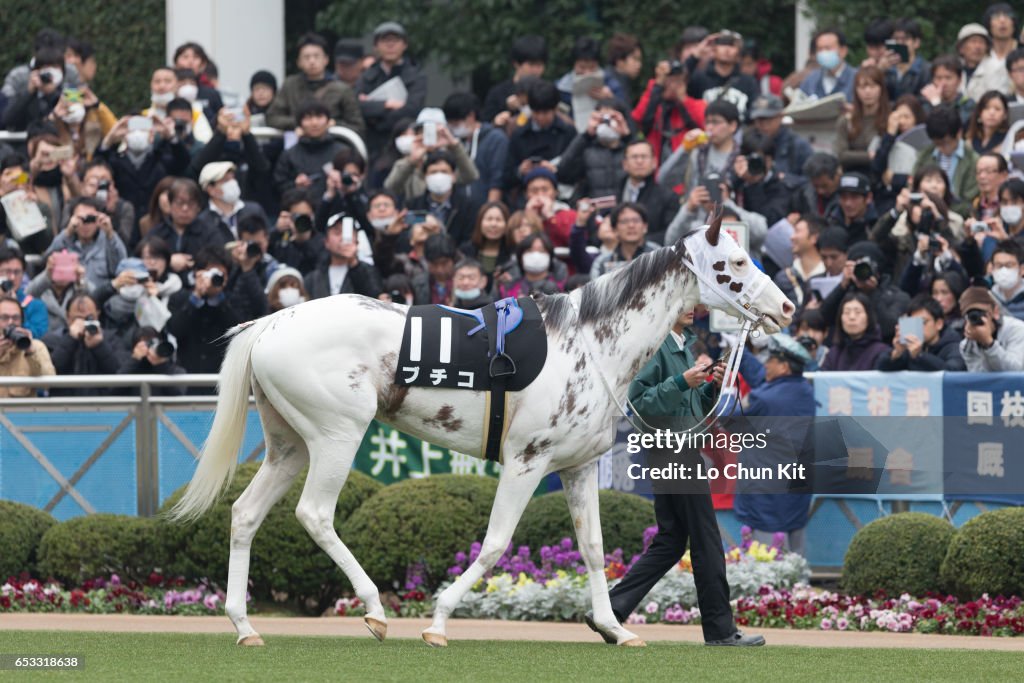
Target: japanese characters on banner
(388,456)
(984,433)
(885,437)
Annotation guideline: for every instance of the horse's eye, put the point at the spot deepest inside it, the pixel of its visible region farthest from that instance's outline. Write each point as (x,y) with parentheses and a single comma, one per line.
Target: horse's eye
(740,263)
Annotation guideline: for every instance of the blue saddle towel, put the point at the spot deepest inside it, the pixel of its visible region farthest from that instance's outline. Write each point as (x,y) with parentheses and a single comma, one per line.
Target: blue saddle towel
(455,348)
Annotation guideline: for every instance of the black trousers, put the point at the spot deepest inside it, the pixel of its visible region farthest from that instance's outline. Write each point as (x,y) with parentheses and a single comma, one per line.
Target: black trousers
(681,517)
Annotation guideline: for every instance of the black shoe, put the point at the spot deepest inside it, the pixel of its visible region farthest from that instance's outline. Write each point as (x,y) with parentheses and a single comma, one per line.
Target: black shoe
(738,640)
(589,618)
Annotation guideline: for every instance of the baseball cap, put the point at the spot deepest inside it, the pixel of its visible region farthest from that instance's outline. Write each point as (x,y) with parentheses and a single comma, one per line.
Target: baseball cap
(389,28)
(214,171)
(976,297)
(540,172)
(854,182)
(727,37)
(969,30)
(348,50)
(279,273)
(431,115)
(767,107)
(785,347)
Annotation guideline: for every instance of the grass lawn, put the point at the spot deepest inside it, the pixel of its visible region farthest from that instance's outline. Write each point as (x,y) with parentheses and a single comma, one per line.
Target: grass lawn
(203,657)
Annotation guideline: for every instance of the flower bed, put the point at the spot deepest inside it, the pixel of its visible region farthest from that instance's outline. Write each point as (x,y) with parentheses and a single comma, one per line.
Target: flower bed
(157,595)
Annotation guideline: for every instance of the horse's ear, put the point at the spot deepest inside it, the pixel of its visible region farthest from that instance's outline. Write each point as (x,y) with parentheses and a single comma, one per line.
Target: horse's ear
(715,226)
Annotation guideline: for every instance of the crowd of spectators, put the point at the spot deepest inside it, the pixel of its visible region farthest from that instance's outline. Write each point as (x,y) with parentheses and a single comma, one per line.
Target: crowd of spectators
(131,244)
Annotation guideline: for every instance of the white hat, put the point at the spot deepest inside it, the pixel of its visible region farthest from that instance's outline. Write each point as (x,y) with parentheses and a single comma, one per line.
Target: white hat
(279,273)
(971,30)
(431,115)
(214,171)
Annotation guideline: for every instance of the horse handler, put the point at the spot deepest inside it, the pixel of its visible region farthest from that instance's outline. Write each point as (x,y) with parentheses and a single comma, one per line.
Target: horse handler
(669,386)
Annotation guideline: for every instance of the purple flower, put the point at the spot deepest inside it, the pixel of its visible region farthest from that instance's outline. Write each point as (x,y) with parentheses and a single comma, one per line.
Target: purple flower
(566,543)
(779,539)
(460,557)
(115,580)
(210,601)
(842,624)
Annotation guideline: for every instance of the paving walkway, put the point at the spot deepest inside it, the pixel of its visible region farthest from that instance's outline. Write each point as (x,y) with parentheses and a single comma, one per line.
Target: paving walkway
(483,629)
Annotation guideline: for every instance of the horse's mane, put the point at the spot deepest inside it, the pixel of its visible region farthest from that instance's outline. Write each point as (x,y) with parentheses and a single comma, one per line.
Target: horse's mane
(610,294)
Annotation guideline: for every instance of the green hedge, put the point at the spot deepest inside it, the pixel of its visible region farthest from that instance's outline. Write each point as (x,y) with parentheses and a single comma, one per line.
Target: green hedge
(21,528)
(423,521)
(900,553)
(624,516)
(98,545)
(987,555)
(283,557)
(128,37)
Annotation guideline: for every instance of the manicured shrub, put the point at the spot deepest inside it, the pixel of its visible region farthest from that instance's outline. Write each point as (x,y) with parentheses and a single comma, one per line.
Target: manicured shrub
(624,516)
(98,545)
(283,558)
(21,528)
(987,555)
(901,553)
(422,522)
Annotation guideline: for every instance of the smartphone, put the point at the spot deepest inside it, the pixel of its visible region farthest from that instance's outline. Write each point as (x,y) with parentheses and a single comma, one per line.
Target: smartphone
(415,217)
(62,153)
(140,123)
(899,48)
(711,182)
(430,134)
(65,265)
(237,114)
(607,202)
(910,325)
(347,229)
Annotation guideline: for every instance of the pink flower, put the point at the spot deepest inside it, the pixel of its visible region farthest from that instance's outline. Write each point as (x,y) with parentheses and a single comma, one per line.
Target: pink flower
(210,601)
(842,624)
(635,618)
(651,608)
(826,624)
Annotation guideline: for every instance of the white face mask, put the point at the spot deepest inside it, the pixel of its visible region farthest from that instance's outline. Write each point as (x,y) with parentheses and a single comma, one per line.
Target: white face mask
(606,133)
(536,261)
(439,183)
(75,115)
(230,191)
(1010,214)
(188,92)
(461,131)
(403,143)
(161,100)
(137,141)
(132,292)
(289,296)
(467,293)
(1006,278)
(381,223)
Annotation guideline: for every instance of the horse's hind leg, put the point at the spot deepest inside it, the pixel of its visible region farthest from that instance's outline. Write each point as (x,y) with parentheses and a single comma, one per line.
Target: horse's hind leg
(330,462)
(285,458)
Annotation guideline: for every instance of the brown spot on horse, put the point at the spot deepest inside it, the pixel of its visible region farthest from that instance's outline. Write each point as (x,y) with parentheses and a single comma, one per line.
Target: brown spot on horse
(445,419)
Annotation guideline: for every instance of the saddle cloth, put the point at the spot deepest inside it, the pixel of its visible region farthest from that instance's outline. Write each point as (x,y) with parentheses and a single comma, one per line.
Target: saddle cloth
(454,348)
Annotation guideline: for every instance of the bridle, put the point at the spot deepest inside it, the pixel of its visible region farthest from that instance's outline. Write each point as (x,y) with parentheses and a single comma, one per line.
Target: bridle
(743,303)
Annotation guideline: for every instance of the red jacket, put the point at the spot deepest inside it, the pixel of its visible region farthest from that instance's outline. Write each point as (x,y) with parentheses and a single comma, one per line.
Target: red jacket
(695,108)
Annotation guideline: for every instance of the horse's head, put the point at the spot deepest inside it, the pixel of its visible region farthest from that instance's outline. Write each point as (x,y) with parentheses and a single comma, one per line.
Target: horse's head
(731,283)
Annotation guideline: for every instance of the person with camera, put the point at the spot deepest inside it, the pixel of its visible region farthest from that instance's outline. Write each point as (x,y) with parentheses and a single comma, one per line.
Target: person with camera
(855,211)
(90,234)
(226,208)
(82,121)
(302,165)
(865,274)
(21,354)
(755,182)
(953,155)
(98,183)
(200,317)
(13,284)
(293,242)
(45,85)
(346,194)
(151,355)
(593,160)
(138,296)
(82,348)
(938,348)
(992,342)
(180,114)
(665,113)
(408,175)
(342,272)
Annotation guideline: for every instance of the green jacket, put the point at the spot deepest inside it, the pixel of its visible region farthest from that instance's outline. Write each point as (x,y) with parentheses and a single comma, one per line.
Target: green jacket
(963,184)
(339,99)
(659,390)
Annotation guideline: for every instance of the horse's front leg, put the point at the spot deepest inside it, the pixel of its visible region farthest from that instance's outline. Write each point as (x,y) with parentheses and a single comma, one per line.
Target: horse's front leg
(581,492)
(515,487)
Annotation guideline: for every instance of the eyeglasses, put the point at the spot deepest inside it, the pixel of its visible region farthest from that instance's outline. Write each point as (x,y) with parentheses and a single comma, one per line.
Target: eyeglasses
(13,318)
(12,274)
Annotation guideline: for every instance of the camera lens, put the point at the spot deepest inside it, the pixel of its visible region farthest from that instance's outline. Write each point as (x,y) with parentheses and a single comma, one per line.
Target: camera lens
(252,250)
(347,179)
(863,271)
(976,317)
(46,78)
(302,222)
(91,218)
(217,279)
(6,285)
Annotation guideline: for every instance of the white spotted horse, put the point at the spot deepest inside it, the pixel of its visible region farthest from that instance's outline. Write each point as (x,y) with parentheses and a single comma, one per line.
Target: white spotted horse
(322,370)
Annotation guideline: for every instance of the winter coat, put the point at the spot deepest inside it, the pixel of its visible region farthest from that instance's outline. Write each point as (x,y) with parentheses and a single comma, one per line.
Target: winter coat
(595,169)
(1006,353)
(856,354)
(944,354)
(659,390)
(14,363)
(333,94)
(309,156)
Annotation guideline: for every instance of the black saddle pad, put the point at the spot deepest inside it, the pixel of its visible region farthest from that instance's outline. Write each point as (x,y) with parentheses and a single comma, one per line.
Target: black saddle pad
(439,351)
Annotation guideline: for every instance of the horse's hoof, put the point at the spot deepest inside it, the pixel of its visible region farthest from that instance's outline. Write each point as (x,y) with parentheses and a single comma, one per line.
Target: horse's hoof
(633,642)
(252,641)
(434,639)
(378,628)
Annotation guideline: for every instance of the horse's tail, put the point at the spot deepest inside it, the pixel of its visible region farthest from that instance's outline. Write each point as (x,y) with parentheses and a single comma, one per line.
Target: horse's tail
(219,455)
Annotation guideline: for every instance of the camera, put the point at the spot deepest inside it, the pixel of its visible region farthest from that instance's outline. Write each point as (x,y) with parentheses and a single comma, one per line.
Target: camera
(91,218)
(976,317)
(45,77)
(6,285)
(180,127)
(253,250)
(21,340)
(347,180)
(302,222)
(863,270)
(92,327)
(161,347)
(142,279)
(103,190)
(808,342)
(536,159)
(755,164)
(397,296)
(916,197)
(978,227)
(606,119)
(216,277)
